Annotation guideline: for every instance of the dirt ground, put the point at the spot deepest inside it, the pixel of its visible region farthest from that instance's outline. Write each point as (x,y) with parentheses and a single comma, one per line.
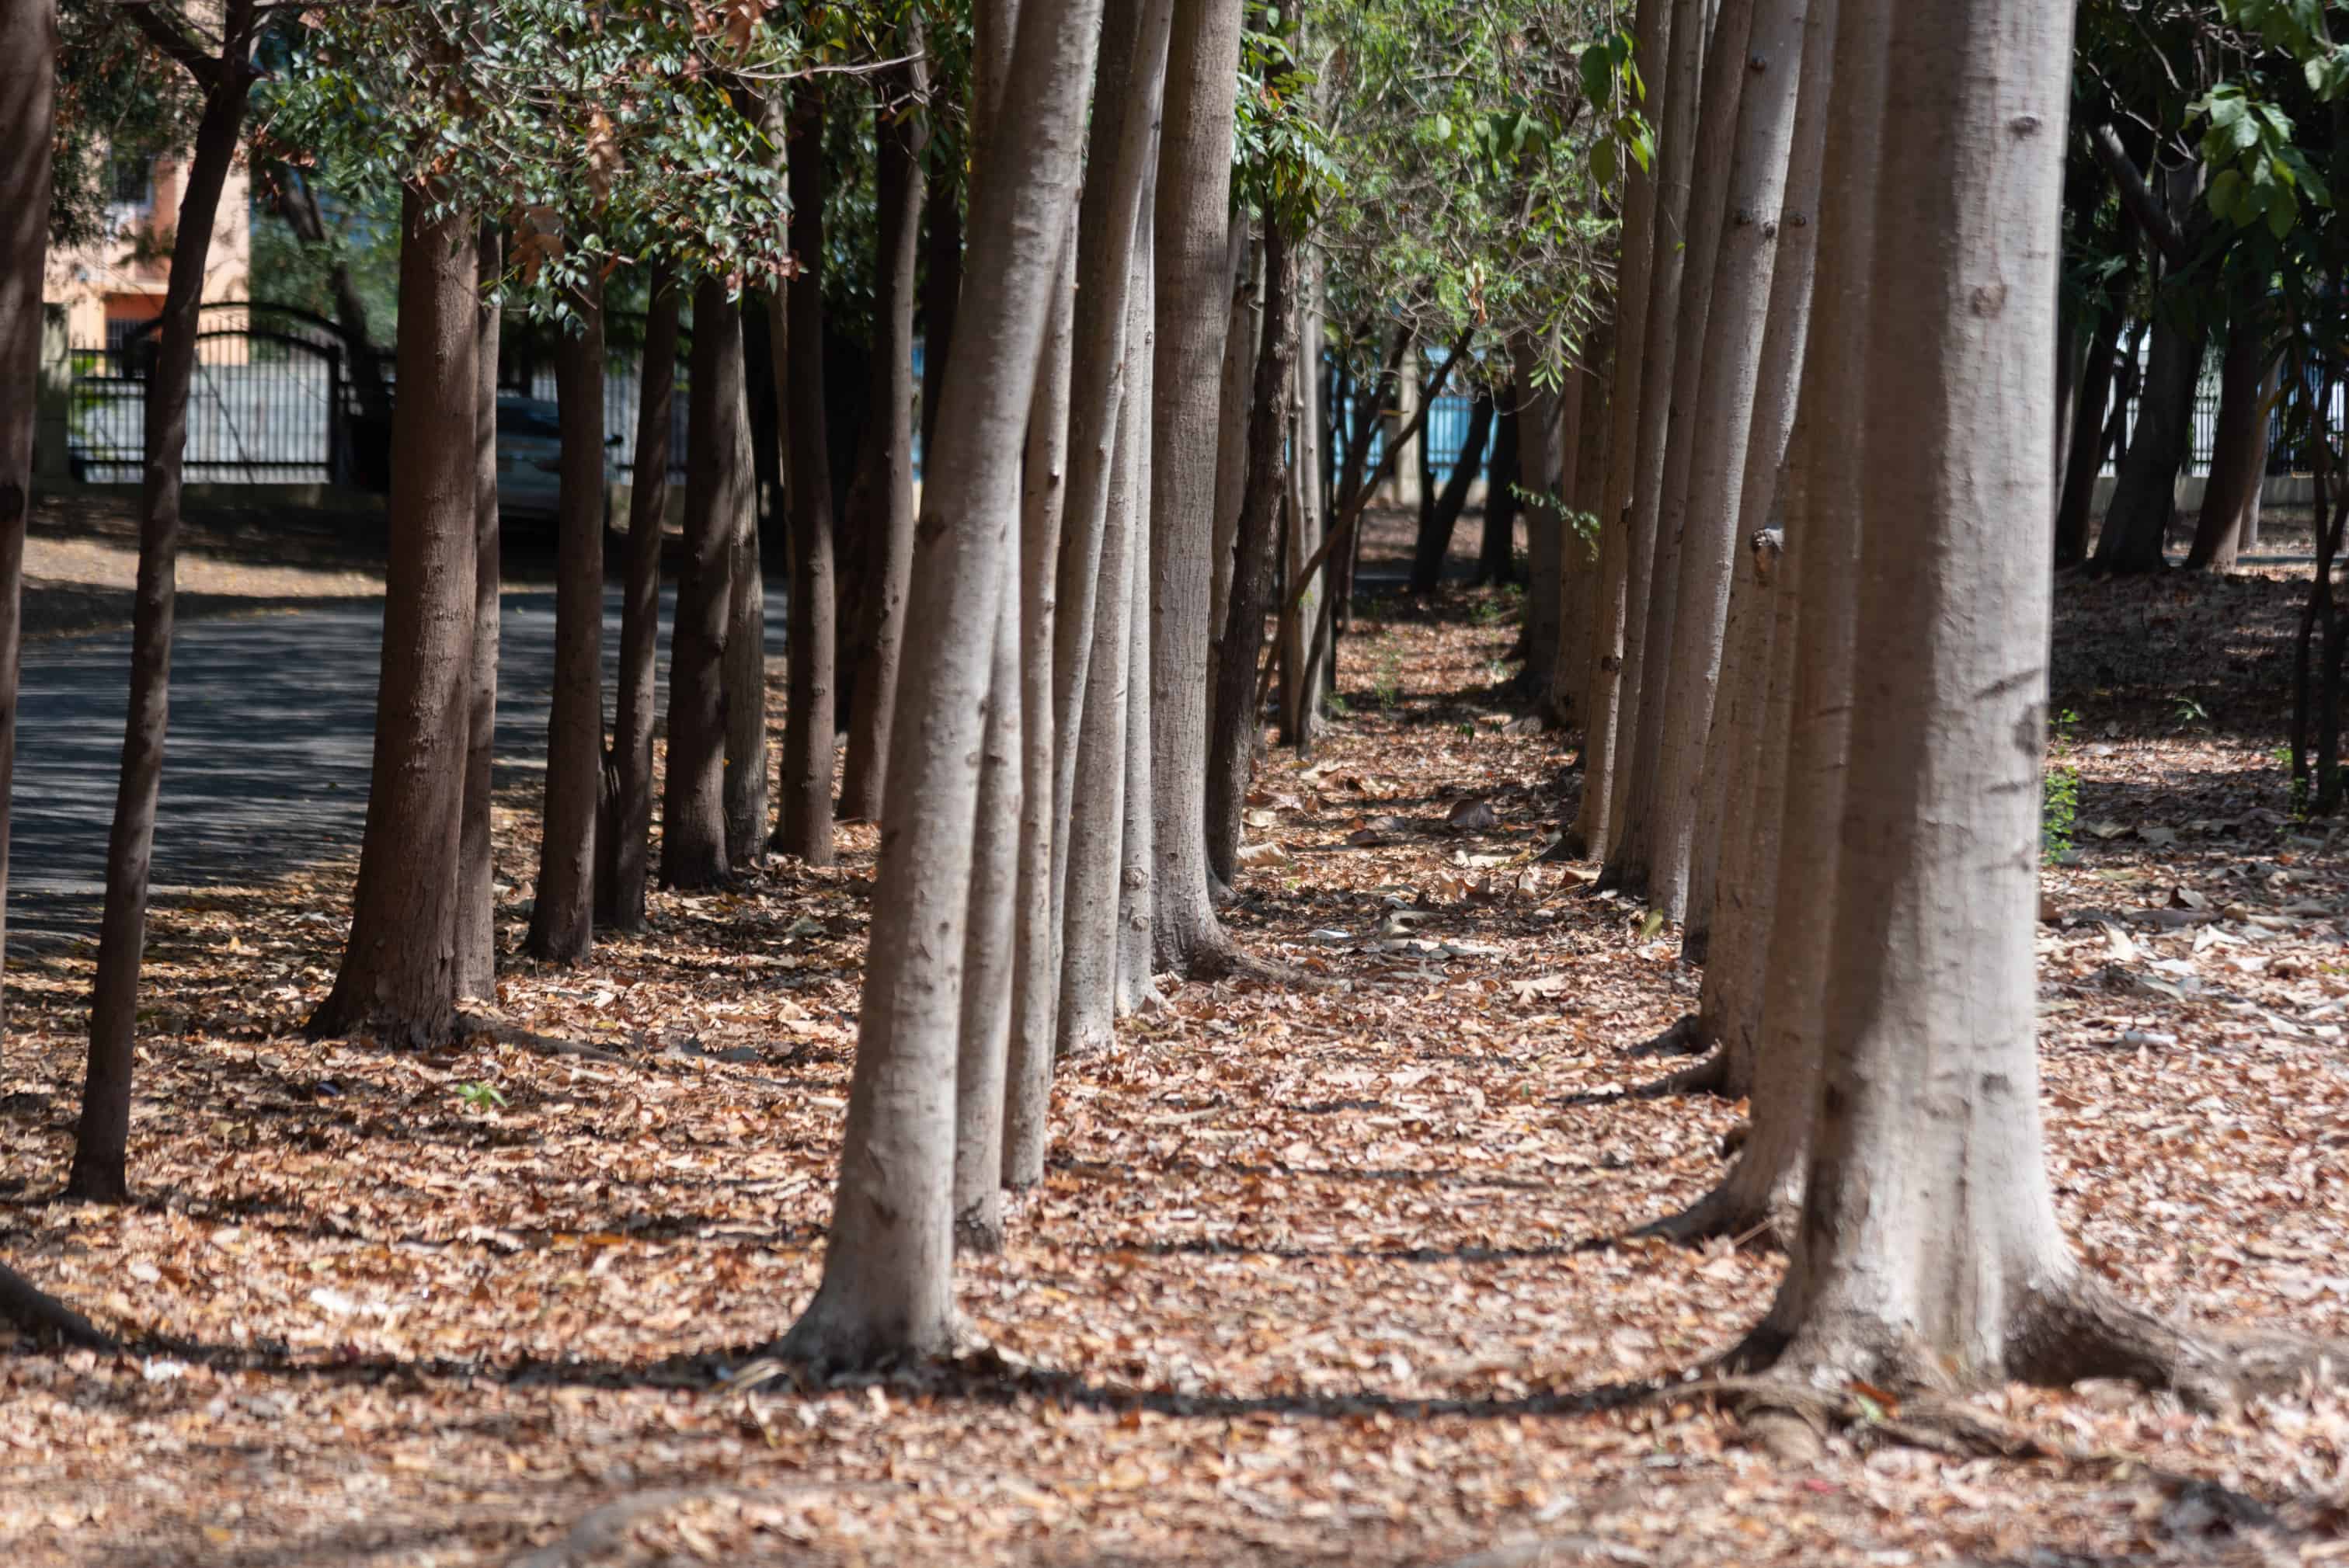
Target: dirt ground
(1315,1277)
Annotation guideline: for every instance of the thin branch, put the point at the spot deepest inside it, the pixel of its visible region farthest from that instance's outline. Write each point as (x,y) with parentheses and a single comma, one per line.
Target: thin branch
(167,33)
(2143,204)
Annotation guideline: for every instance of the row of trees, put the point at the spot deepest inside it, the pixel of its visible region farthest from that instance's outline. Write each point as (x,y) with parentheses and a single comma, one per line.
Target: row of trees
(1830,345)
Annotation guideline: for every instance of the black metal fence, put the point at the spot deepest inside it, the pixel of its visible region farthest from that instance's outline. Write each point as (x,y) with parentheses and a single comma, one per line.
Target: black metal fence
(268,403)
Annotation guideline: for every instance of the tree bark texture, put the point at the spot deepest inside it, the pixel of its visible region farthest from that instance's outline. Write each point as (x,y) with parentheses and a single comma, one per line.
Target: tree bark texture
(941,274)
(990,960)
(1137,866)
(2145,492)
(1434,546)
(887,454)
(808,722)
(717,501)
(477,872)
(887,1274)
(1498,545)
(2237,454)
(1683,57)
(1242,333)
(745,677)
(28,57)
(1192,226)
(624,843)
(1232,737)
(1540,462)
(563,916)
(399,972)
(1646,849)
(1610,604)
(1300,642)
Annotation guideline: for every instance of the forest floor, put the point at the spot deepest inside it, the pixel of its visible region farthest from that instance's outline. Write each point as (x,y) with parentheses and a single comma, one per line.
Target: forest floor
(1315,1277)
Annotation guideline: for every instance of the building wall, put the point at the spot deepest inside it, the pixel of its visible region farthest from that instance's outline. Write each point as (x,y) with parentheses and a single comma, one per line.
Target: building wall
(123,277)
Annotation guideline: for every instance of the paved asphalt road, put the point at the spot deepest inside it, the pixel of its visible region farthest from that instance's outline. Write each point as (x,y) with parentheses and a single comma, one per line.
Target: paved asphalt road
(273,722)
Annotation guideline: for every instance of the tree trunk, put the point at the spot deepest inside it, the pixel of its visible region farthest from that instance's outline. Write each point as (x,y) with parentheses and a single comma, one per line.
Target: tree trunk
(808,726)
(745,677)
(990,960)
(1496,551)
(1540,433)
(2085,451)
(888,1271)
(2145,493)
(1024,1080)
(1192,224)
(476,928)
(2237,453)
(1232,740)
(941,276)
(1647,854)
(1928,1250)
(1583,489)
(1300,644)
(2247,527)
(1242,332)
(624,842)
(563,916)
(1137,867)
(29,60)
(1095,853)
(1433,547)
(887,484)
(1702,507)
(102,1138)
(298,204)
(1610,600)
(716,501)
(1681,51)
(399,975)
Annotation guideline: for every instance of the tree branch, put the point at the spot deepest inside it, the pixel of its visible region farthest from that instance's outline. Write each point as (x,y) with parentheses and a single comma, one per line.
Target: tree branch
(2138,196)
(171,36)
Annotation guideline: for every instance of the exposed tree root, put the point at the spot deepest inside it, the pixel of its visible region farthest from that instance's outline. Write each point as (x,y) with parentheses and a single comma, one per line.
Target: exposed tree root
(1710,1076)
(1226,961)
(37,1313)
(1683,1039)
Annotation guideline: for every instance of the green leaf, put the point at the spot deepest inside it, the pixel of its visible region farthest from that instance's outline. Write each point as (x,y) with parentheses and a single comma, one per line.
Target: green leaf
(2226,196)
(1603,162)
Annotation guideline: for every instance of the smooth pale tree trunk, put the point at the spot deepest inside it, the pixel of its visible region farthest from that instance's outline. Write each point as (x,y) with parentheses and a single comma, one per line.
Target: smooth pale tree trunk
(623,842)
(477,872)
(1242,333)
(29,60)
(1643,852)
(887,1287)
(1096,835)
(2237,454)
(989,958)
(1433,547)
(1701,505)
(398,973)
(1683,54)
(1137,869)
(2085,453)
(562,917)
(1235,731)
(1301,644)
(101,1139)
(1570,617)
(2247,533)
(717,497)
(887,453)
(1036,977)
(808,722)
(1929,1248)
(1192,226)
(1725,829)
(1112,257)
(1610,601)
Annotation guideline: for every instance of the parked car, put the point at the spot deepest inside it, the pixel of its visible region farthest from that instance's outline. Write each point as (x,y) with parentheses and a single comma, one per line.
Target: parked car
(529,454)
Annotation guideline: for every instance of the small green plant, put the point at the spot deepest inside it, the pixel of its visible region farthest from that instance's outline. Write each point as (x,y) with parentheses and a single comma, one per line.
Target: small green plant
(1487,611)
(2189,711)
(481,1096)
(1338,706)
(1388,689)
(2059,797)
(2294,786)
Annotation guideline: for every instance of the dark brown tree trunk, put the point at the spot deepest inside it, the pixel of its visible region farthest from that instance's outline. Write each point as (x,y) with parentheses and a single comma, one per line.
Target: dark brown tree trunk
(476,919)
(561,920)
(2145,494)
(717,494)
(2085,453)
(1232,735)
(399,975)
(808,723)
(28,59)
(102,1139)
(624,831)
(1434,546)
(886,485)
(2237,452)
(941,275)
(1497,559)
